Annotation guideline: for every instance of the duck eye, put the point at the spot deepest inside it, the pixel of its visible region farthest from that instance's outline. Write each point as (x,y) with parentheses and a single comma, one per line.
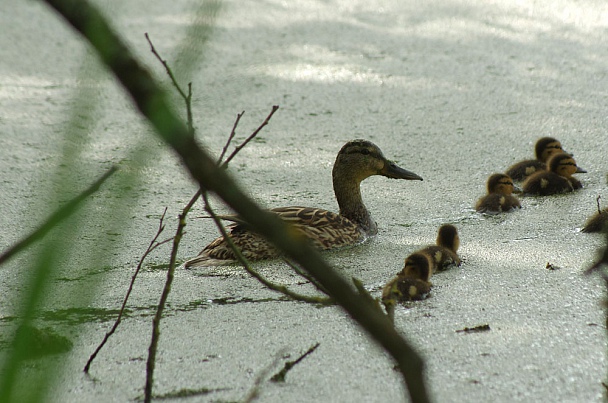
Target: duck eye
(365,151)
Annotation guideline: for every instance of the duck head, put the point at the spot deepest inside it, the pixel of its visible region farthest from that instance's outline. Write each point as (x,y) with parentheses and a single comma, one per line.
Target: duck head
(563,164)
(360,159)
(546,147)
(501,183)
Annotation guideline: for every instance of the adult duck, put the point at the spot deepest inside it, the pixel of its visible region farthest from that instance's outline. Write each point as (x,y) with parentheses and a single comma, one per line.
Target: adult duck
(356,161)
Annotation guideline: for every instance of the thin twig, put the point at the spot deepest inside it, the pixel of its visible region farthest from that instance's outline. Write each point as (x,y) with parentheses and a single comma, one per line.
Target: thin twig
(153,245)
(599,209)
(230,137)
(59,215)
(152,350)
(187,97)
(306,276)
(251,136)
(280,376)
(254,392)
(150,364)
(245,263)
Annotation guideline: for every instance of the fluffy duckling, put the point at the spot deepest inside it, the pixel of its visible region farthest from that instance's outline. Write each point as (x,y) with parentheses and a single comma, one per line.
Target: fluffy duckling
(557,178)
(356,161)
(545,147)
(411,284)
(445,251)
(499,198)
(418,265)
(597,222)
(403,289)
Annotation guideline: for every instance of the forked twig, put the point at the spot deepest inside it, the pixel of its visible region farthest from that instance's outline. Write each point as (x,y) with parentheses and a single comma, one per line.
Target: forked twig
(251,136)
(152,349)
(230,137)
(153,245)
(254,392)
(59,215)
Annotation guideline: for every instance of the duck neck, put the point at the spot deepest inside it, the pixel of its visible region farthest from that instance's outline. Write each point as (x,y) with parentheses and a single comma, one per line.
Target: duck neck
(348,193)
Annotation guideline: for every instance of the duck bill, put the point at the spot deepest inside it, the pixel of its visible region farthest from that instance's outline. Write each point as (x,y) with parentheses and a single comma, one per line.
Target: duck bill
(580,170)
(517,189)
(392,170)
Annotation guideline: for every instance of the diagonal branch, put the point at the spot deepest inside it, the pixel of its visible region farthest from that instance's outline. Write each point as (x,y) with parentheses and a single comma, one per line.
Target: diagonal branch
(153,103)
(59,215)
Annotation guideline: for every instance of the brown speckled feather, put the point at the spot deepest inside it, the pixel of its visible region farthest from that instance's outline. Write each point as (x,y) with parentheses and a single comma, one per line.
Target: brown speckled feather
(325,229)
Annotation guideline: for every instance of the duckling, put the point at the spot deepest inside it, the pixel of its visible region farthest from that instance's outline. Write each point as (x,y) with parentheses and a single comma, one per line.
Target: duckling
(499,198)
(402,289)
(545,147)
(557,178)
(444,253)
(356,161)
(597,222)
(418,265)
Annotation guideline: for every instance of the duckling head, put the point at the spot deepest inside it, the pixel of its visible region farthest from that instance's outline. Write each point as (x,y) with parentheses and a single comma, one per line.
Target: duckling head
(500,183)
(418,266)
(447,236)
(546,147)
(360,159)
(562,164)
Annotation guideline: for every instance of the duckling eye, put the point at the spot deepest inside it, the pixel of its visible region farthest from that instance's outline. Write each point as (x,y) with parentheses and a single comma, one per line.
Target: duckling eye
(365,151)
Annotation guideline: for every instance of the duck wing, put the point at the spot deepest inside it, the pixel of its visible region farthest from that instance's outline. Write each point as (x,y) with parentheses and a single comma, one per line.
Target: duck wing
(326,230)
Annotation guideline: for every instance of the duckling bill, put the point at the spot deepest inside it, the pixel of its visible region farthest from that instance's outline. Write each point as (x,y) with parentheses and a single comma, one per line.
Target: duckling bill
(557,178)
(545,147)
(500,196)
(356,161)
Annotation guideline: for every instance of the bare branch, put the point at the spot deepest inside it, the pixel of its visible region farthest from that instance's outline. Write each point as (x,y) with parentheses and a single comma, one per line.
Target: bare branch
(187,97)
(251,136)
(230,137)
(280,376)
(153,245)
